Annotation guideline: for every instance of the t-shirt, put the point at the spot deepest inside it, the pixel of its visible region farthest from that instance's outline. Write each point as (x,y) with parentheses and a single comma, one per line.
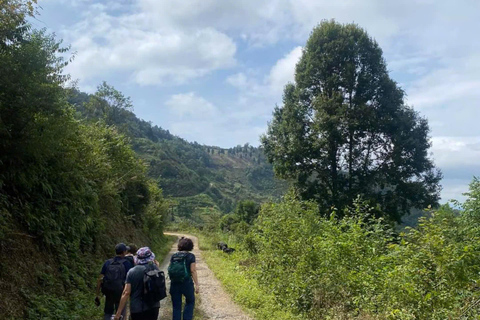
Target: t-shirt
(189,259)
(126,263)
(135,279)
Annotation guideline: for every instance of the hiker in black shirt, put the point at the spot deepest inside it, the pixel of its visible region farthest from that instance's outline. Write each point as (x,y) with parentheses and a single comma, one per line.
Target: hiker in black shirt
(131,253)
(181,283)
(112,279)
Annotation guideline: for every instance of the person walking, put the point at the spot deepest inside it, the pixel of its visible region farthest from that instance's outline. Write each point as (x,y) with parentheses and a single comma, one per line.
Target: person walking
(135,289)
(131,253)
(112,280)
(182,270)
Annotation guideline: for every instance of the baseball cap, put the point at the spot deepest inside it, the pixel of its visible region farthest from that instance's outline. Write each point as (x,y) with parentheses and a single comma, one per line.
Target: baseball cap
(120,248)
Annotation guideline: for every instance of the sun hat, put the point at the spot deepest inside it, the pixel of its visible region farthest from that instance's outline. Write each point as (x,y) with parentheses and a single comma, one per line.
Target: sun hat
(144,256)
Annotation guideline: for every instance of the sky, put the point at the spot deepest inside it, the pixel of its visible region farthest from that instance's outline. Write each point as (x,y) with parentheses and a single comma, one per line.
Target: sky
(212,71)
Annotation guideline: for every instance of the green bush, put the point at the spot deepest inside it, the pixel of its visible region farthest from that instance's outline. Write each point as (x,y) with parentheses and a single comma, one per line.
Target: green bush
(355,267)
(323,268)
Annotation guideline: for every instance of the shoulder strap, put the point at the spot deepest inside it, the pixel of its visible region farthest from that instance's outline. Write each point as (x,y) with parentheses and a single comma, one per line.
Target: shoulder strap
(149,267)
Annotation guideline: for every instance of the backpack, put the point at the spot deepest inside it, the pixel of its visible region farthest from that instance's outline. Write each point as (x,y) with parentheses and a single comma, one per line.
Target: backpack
(177,270)
(114,278)
(154,288)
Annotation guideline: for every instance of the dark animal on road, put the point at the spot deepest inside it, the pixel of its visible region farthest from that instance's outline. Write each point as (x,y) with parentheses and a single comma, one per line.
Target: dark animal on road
(228,250)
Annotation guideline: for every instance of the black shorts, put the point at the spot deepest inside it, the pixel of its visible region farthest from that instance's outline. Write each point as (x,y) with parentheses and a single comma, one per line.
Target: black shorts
(151,314)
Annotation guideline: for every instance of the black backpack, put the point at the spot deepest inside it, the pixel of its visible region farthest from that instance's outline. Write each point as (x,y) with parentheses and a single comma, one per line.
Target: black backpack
(114,278)
(154,288)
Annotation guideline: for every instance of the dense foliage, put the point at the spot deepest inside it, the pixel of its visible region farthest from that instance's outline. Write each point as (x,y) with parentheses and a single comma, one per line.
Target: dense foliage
(200,178)
(69,189)
(344,129)
(357,267)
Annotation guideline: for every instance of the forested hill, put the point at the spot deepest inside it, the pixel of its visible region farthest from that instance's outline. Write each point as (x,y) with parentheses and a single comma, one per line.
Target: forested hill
(199,178)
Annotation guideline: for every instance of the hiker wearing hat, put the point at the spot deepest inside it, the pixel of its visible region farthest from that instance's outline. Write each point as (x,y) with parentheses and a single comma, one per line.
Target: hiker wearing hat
(144,305)
(112,280)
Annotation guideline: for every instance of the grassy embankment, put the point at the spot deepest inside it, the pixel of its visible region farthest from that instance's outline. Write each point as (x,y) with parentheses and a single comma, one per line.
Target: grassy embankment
(236,275)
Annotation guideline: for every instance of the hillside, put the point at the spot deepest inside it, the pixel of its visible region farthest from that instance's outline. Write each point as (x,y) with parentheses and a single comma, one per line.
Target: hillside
(69,189)
(198,178)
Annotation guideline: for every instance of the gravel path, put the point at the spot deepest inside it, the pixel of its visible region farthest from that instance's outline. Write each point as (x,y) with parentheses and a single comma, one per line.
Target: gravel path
(215,303)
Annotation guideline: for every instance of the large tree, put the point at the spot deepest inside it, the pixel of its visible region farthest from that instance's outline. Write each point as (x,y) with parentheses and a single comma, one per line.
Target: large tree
(344,129)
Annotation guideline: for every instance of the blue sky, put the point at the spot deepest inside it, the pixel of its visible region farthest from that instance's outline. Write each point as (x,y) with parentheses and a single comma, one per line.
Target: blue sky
(212,71)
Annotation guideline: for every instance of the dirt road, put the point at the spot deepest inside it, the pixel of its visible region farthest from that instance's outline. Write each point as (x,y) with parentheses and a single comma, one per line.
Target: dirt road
(215,303)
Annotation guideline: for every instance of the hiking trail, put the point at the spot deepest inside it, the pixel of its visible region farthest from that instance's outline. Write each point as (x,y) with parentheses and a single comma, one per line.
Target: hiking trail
(212,301)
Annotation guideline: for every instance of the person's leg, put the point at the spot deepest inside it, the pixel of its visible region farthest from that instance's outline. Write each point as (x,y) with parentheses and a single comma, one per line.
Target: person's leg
(189,293)
(116,305)
(151,314)
(109,307)
(176,294)
(137,316)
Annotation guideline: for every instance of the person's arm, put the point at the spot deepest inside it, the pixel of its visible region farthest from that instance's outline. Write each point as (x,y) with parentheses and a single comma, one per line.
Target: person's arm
(193,271)
(99,284)
(123,301)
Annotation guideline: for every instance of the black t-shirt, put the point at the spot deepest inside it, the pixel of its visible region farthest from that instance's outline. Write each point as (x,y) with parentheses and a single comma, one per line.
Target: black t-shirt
(189,259)
(130,259)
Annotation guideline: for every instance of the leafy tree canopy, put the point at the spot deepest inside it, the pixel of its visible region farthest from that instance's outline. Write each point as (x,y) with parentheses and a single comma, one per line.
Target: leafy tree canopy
(344,129)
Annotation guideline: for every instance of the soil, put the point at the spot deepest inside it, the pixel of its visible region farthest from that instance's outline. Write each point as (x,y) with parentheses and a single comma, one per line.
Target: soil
(212,302)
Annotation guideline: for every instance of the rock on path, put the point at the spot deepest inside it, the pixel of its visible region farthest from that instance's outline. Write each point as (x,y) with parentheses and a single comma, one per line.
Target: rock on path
(215,303)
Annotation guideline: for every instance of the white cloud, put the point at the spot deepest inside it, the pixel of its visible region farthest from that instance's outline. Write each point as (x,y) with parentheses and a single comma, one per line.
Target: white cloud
(459,81)
(268,22)
(283,71)
(238,80)
(453,189)
(458,159)
(190,105)
(451,152)
(268,86)
(196,119)
(148,53)
(258,94)
(258,22)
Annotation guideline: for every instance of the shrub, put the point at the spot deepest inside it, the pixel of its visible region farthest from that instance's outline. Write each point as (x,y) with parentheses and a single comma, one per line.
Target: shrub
(329,268)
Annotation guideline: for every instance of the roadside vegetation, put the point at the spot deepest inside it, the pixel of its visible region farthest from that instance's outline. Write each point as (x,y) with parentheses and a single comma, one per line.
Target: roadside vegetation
(333,248)
(304,266)
(70,189)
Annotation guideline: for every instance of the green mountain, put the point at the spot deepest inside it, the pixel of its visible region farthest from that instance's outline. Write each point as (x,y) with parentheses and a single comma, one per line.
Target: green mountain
(199,178)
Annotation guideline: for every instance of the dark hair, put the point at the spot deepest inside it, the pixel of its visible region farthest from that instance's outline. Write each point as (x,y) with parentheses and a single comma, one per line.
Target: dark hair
(185,244)
(133,249)
(120,248)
